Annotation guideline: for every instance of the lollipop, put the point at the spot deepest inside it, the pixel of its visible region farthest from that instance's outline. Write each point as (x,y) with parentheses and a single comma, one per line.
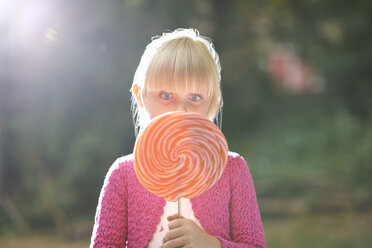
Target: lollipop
(180,154)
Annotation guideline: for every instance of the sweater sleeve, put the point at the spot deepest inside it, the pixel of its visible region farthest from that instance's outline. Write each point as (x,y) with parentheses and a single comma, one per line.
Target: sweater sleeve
(245,221)
(110,228)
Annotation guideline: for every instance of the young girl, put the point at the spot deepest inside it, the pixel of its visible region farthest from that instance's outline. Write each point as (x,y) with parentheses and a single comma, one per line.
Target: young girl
(178,71)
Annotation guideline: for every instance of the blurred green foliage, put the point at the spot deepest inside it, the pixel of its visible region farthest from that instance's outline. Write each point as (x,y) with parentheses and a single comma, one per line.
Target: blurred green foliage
(65,106)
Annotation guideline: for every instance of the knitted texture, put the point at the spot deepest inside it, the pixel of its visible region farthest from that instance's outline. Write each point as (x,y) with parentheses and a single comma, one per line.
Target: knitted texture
(127,214)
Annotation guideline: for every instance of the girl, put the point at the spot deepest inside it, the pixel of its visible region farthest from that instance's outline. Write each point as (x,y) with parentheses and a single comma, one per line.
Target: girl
(178,71)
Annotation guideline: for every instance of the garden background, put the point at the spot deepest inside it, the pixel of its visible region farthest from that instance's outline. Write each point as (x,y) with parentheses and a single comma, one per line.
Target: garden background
(296,80)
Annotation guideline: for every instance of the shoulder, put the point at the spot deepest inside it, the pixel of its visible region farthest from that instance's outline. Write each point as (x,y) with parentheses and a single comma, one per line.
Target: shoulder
(119,169)
(235,160)
(233,155)
(122,162)
(236,166)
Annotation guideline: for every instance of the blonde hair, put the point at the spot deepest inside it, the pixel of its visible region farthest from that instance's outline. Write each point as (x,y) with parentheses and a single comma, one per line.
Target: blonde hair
(181,59)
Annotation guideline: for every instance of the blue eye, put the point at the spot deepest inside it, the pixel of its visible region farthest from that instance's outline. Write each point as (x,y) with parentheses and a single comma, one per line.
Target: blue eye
(166,96)
(195,98)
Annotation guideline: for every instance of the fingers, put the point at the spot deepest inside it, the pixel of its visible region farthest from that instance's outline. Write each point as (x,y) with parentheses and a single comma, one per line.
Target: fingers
(177,242)
(173,234)
(184,232)
(177,222)
(172,217)
(177,229)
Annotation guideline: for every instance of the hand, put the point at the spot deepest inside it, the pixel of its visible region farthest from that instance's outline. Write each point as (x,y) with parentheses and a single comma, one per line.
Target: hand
(186,233)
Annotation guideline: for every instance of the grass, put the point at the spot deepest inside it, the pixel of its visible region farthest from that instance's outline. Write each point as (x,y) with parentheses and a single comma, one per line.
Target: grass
(326,230)
(333,230)
(39,240)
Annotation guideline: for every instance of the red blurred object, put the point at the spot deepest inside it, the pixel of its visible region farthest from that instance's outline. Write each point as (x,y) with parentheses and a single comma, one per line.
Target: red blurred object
(288,71)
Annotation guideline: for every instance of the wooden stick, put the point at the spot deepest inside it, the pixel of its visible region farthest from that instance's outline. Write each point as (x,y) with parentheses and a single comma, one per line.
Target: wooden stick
(179,207)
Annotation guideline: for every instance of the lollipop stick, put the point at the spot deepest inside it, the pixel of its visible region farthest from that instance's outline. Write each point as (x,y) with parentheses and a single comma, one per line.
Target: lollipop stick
(179,207)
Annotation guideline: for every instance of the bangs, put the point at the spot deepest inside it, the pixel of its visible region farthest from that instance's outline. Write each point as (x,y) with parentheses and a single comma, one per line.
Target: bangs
(183,64)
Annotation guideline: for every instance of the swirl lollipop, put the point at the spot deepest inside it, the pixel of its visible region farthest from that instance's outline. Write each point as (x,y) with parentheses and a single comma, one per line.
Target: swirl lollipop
(180,154)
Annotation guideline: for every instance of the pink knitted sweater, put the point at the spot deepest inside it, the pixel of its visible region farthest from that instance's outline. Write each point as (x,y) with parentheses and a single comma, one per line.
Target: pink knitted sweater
(127,214)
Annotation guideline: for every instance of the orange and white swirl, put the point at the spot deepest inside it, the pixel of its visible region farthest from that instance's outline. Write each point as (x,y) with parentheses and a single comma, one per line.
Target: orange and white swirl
(180,154)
